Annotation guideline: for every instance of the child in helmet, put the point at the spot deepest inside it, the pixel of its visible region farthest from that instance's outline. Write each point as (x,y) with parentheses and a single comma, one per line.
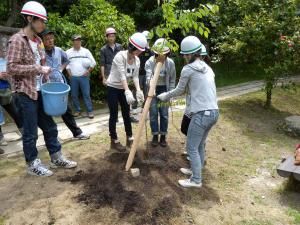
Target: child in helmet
(166,82)
(124,69)
(201,104)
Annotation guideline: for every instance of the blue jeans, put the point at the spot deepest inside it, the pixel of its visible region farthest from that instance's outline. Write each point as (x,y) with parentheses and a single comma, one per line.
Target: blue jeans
(81,83)
(161,108)
(199,128)
(33,116)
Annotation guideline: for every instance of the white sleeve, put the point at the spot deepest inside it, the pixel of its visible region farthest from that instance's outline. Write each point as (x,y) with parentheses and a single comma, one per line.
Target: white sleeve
(90,56)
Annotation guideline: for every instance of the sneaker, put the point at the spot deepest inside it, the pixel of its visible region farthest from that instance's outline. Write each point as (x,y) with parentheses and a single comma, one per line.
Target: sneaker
(116,145)
(1,151)
(187,183)
(82,137)
(90,115)
(129,142)
(186,171)
(3,142)
(60,161)
(76,114)
(36,168)
(162,141)
(154,141)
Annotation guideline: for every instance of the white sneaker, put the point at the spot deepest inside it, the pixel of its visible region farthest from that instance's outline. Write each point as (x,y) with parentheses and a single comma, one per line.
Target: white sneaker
(62,162)
(186,171)
(36,168)
(187,183)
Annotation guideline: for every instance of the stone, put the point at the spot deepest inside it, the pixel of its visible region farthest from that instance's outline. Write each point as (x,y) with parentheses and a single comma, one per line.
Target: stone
(135,172)
(292,126)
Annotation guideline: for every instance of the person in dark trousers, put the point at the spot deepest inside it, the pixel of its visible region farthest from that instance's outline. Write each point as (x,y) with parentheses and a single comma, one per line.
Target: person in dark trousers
(57,59)
(107,53)
(25,64)
(125,70)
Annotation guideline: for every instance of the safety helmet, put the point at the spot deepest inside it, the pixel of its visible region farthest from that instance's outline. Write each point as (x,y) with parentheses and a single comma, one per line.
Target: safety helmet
(203,50)
(190,44)
(160,46)
(34,8)
(147,34)
(110,30)
(139,41)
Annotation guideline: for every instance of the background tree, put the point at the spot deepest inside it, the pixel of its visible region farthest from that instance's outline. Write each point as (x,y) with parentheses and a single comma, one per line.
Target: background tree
(90,18)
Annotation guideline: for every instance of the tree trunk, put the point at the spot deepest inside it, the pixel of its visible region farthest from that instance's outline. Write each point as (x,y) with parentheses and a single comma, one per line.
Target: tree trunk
(268,99)
(14,10)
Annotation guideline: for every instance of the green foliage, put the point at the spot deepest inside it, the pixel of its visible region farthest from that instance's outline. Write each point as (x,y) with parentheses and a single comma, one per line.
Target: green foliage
(90,18)
(185,21)
(248,32)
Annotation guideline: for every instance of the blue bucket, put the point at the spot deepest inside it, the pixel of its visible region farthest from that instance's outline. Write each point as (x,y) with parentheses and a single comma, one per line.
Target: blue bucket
(55,97)
(2,119)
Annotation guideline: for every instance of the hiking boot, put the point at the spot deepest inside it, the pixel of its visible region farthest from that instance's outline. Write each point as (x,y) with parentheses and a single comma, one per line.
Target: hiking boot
(58,160)
(82,137)
(36,168)
(162,141)
(129,141)
(1,151)
(90,115)
(116,145)
(186,171)
(187,183)
(154,141)
(76,114)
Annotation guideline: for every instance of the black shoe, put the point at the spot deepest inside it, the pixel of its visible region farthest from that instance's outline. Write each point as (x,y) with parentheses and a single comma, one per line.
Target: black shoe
(162,141)
(1,151)
(154,142)
(116,145)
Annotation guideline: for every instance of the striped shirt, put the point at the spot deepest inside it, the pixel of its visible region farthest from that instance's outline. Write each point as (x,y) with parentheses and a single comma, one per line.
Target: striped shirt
(80,61)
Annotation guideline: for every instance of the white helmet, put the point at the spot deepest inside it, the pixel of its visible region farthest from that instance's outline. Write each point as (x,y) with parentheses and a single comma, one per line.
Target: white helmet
(110,30)
(34,8)
(190,44)
(139,41)
(160,46)
(203,50)
(147,34)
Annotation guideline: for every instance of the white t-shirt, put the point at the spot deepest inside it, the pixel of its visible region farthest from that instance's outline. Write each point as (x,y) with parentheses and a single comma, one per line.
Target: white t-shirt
(80,61)
(162,76)
(37,57)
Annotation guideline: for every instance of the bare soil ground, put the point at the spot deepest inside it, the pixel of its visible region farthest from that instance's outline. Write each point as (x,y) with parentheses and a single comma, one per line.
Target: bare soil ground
(240,181)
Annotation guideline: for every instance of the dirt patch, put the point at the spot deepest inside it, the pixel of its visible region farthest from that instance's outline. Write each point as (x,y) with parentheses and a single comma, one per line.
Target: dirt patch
(152,198)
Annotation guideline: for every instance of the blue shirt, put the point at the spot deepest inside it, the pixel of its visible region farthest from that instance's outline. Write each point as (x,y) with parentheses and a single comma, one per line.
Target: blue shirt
(55,58)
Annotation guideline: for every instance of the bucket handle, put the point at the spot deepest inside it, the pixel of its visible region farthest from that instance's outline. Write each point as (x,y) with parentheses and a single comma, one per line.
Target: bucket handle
(57,70)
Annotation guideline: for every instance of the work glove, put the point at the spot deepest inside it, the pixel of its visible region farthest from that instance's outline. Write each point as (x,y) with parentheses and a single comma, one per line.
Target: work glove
(46,70)
(129,97)
(140,96)
(163,96)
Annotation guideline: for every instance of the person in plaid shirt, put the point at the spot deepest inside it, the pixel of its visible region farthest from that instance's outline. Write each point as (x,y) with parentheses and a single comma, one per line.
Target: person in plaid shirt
(25,60)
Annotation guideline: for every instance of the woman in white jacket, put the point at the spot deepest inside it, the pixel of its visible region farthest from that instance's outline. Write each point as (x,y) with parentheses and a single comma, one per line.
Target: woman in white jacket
(201,104)
(125,69)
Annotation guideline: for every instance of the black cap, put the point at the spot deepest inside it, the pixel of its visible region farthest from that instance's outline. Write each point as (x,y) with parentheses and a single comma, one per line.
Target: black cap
(76,37)
(45,32)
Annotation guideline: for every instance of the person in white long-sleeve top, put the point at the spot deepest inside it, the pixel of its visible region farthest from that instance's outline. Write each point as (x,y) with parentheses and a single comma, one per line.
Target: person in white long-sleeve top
(81,65)
(124,70)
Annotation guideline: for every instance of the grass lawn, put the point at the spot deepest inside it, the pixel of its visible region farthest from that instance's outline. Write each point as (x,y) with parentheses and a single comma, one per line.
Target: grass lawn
(241,186)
